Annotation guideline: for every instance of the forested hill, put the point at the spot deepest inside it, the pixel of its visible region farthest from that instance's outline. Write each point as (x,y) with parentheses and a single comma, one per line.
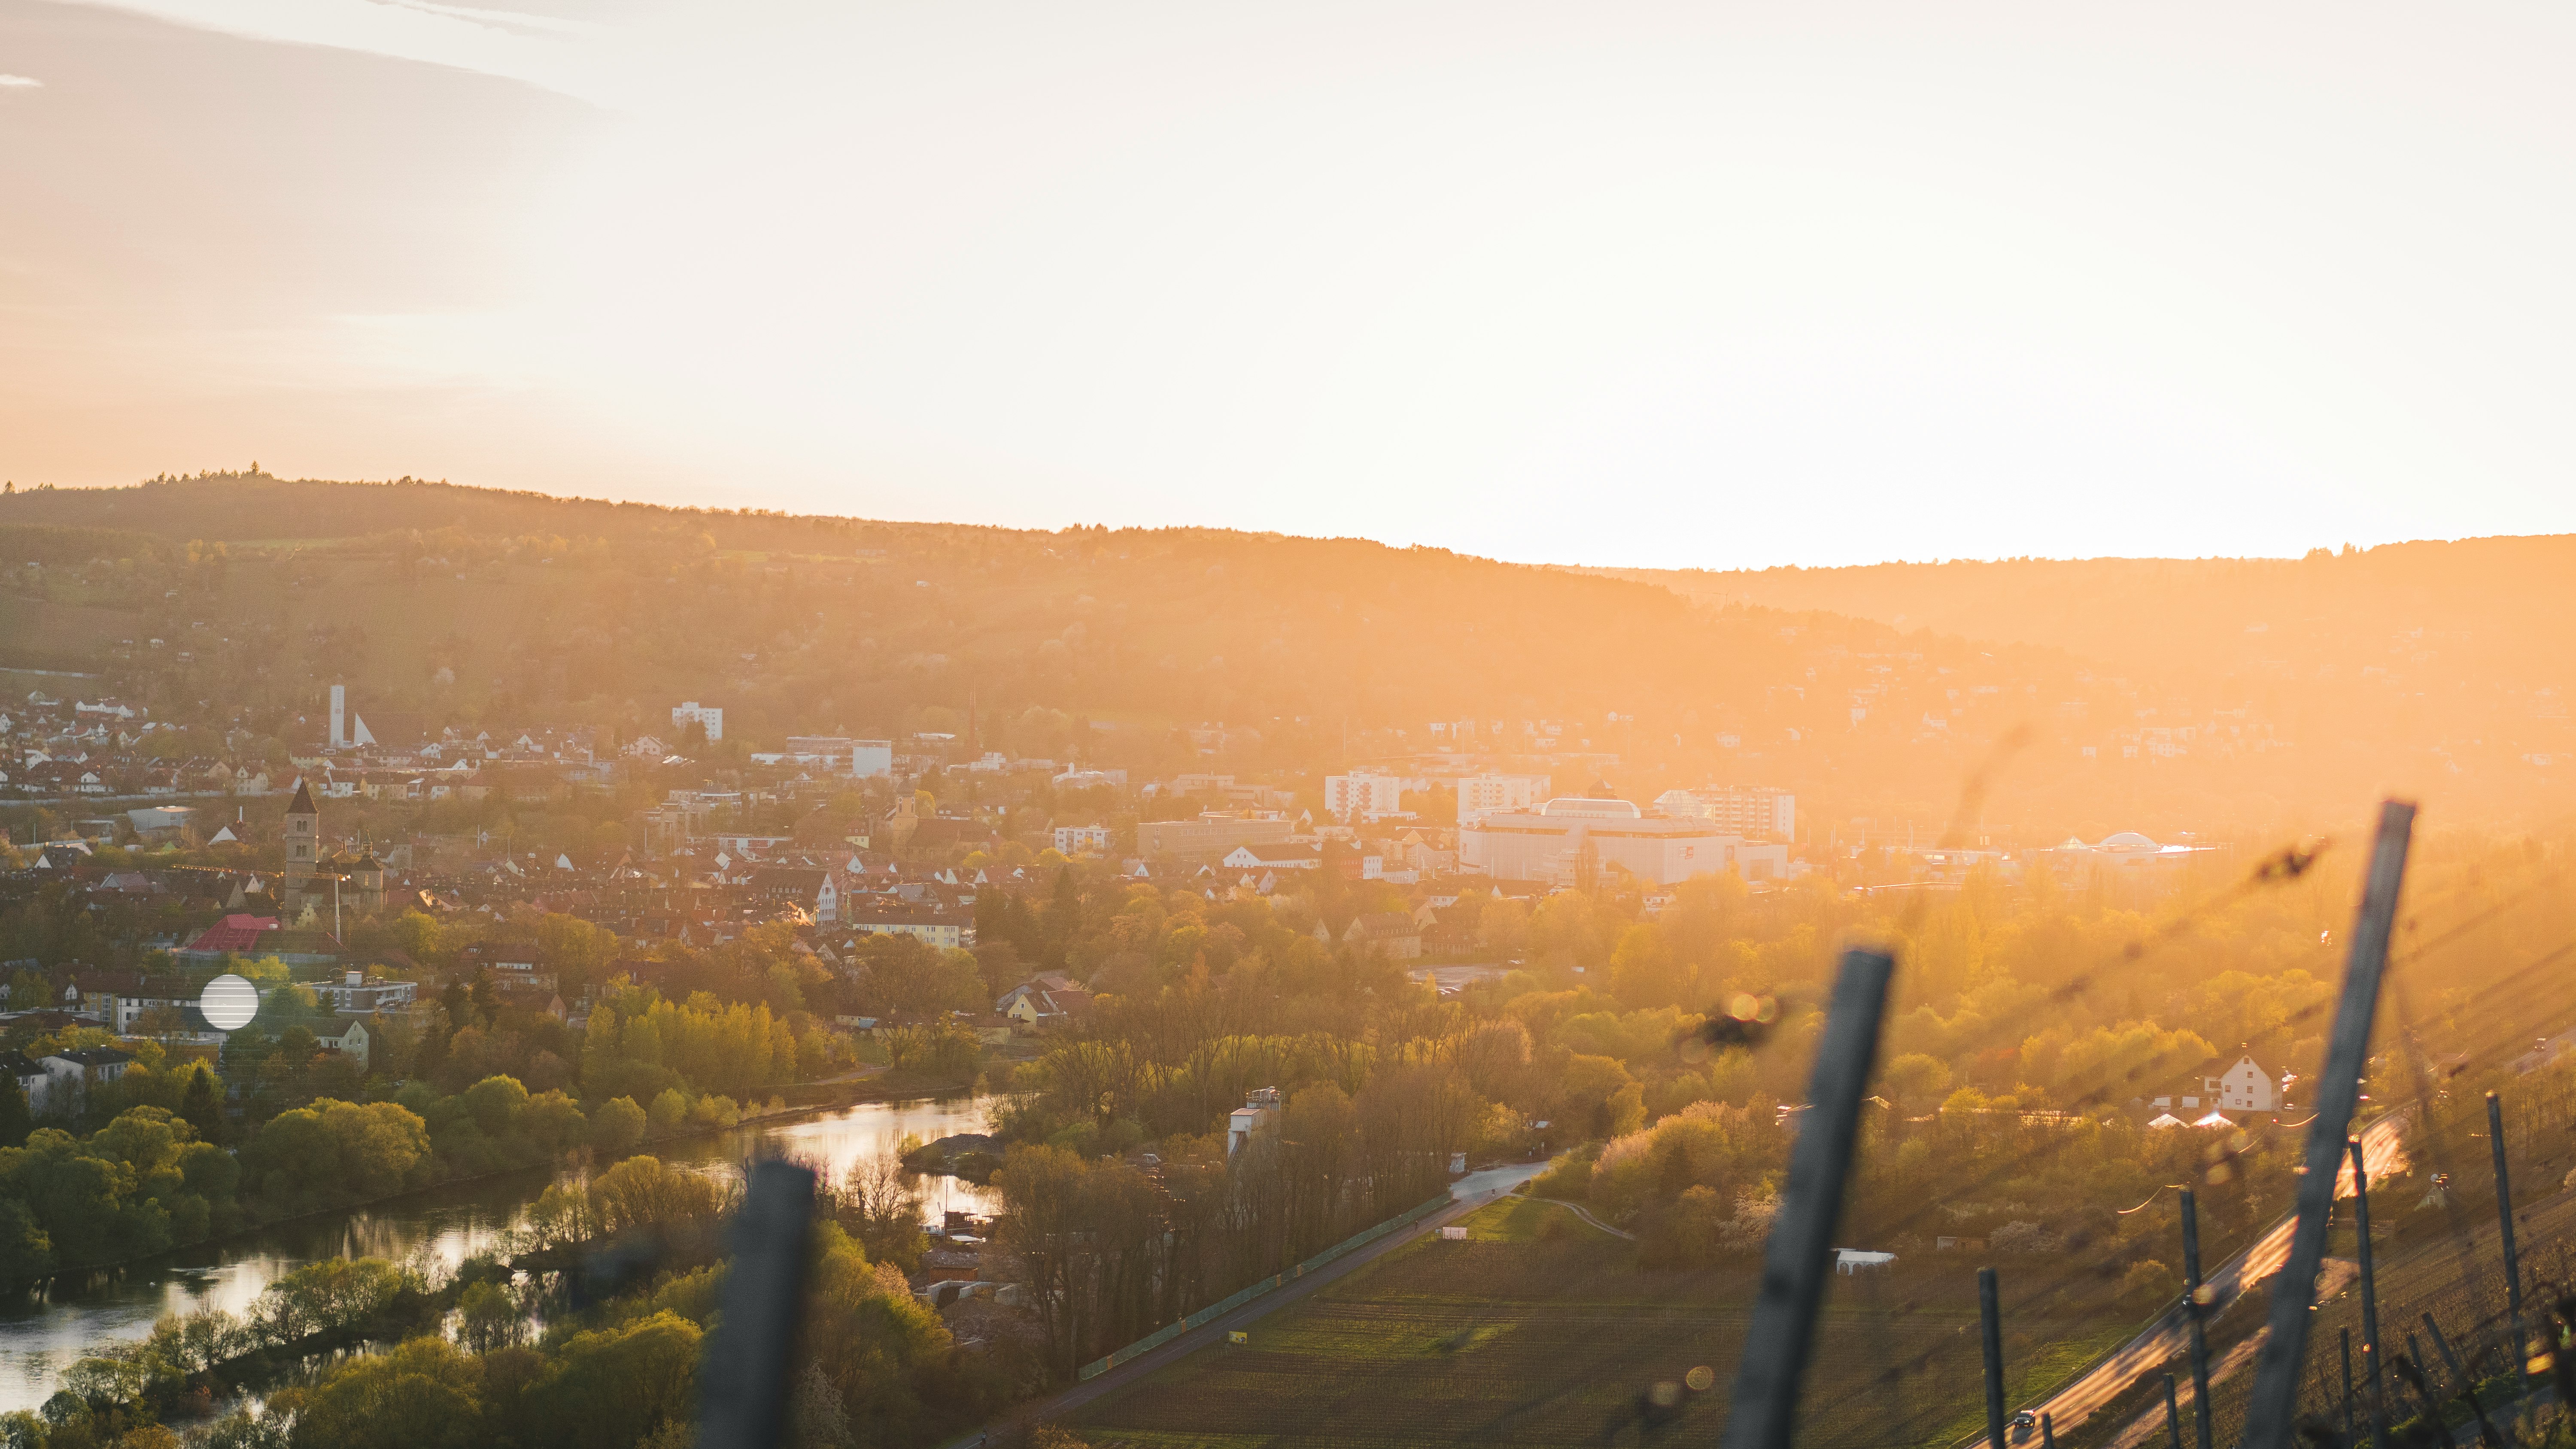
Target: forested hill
(2443,613)
(471,606)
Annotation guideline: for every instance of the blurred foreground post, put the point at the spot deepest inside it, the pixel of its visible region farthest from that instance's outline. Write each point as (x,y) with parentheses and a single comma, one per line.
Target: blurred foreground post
(2173,1416)
(742,1392)
(1763,1412)
(2269,1415)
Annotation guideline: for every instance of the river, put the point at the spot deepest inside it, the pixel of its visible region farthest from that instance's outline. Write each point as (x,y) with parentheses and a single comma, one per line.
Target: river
(44,1334)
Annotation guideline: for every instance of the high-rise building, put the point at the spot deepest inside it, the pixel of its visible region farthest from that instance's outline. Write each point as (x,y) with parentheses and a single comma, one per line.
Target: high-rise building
(1756,812)
(712,716)
(1349,797)
(1481,795)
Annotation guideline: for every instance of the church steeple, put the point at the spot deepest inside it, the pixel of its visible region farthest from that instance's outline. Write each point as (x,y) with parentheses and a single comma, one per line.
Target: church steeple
(303,841)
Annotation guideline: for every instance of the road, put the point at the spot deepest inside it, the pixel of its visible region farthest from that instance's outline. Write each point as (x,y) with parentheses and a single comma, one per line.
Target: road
(1466,1195)
(2166,1338)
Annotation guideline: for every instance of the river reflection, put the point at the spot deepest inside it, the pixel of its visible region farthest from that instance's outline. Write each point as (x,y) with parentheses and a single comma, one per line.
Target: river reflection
(42,1335)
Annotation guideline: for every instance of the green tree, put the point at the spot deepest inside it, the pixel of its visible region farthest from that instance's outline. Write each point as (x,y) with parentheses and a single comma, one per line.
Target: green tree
(201,1105)
(618,1125)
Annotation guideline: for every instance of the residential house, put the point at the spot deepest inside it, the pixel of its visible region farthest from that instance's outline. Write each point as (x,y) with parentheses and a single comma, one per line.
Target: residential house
(1036,1004)
(344,1034)
(1390,933)
(72,1072)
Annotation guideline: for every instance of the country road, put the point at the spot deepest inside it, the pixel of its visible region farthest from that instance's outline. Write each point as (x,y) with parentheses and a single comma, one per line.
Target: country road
(1466,1195)
(2166,1338)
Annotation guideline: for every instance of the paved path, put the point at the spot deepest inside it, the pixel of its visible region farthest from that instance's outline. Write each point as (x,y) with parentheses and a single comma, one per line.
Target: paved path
(1467,1194)
(2166,1337)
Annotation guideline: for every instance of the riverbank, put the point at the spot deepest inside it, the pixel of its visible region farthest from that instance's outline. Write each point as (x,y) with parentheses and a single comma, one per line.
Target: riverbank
(42,1334)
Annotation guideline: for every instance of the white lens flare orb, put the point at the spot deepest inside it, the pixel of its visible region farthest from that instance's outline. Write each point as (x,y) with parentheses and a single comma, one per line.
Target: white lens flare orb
(228,1003)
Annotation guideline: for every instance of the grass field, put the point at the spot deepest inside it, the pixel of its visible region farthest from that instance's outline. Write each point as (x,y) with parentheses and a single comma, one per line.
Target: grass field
(1539,1330)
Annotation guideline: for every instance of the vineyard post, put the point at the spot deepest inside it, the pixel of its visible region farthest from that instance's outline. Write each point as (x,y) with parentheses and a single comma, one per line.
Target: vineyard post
(2374,1354)
(2192,1314)
(1990,1320)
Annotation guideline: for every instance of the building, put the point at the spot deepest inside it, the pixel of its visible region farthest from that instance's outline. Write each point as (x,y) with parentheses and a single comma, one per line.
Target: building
(1044,1002)
(32,1078)
(2244,1087)
(810,889)
(1392,934)
(1362,797)
(1072,838)
(1260,1107)
(303,845)
(71,1073)
(1210,836)
(2126,851)
(1482,795)
(354,995)
(1274,857)
(684,715)
(870,759)
(946,930)
(1551,842)
(1756,812)
(345,1034)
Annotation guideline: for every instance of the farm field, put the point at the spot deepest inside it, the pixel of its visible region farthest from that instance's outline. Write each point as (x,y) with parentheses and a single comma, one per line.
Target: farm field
(1539,1330)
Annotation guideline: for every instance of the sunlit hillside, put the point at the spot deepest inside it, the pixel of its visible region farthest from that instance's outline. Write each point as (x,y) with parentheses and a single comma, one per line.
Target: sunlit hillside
(2108,694)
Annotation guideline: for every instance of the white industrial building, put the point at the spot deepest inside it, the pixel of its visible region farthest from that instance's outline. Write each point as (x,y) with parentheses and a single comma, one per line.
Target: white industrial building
(1547,844)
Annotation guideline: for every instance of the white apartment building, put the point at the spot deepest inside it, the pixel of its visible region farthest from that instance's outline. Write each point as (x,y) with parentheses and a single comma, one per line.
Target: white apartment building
(1349,797)
(683,715)
(871,758)
(1482,795)
(1756,812)
(1072,838)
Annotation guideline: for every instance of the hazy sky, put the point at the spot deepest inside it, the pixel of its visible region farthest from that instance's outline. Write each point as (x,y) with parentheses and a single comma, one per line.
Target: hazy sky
(1683,284)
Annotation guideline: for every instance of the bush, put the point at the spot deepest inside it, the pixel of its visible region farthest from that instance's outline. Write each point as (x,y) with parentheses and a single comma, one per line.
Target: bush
(618,1125)
(668,1114)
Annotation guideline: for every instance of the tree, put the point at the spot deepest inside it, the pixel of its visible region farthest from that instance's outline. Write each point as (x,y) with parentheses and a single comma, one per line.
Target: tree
(426,1392)
(669,1112)
(15,1119)
(199,1106)
(618,1125)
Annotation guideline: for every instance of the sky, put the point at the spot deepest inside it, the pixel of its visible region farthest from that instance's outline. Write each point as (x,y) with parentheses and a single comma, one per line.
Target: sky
(1687,285)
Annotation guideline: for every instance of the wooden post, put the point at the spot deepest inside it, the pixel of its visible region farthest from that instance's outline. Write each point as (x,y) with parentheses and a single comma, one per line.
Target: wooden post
(1764,1411)
(2273,1409)
(1990,1319)
(2173,1416)
(743,1391)
(2466,1386)
(2423,1387)
(2047,1433)
(2374,1353)
(2504,1226)
(2193,1315)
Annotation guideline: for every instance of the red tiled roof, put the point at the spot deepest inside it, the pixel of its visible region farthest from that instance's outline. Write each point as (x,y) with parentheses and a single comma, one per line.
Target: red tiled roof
(233,933)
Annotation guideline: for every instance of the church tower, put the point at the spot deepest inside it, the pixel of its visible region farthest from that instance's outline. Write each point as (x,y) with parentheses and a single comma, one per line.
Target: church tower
(303,844)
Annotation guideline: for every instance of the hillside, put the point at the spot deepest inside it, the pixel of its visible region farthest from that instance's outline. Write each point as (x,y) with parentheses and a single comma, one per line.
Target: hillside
(2142,699)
